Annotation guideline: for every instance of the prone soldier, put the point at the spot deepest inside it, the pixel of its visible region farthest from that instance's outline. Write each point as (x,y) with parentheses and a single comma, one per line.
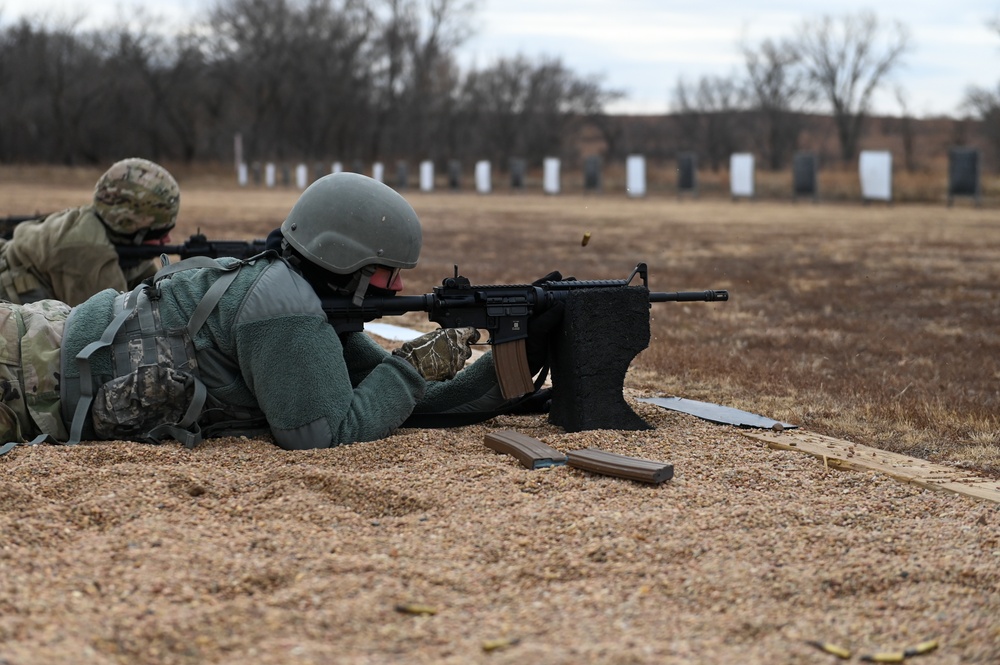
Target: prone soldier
(212,347)
(71,255)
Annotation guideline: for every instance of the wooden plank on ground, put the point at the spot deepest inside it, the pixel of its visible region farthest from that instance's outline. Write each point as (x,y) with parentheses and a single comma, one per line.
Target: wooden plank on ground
(841,454)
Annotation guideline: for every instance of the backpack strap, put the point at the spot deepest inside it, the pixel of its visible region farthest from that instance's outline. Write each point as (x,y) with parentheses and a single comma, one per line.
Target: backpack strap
(83,362)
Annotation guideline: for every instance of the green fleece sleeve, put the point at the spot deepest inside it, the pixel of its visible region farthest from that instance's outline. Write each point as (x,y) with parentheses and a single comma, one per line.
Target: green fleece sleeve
(473,390)
(295,367)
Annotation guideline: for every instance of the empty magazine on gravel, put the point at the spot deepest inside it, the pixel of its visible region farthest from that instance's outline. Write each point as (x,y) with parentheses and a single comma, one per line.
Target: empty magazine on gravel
(535,454)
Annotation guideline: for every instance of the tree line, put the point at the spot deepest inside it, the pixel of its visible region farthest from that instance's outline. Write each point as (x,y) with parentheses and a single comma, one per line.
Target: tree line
(366,80)
(834,65)
(298,79)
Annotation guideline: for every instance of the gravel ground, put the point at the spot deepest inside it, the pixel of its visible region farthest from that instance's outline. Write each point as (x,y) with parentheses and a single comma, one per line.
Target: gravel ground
(240,552)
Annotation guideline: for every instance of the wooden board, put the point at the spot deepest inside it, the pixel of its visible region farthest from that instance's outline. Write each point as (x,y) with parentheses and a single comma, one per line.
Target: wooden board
(840,454)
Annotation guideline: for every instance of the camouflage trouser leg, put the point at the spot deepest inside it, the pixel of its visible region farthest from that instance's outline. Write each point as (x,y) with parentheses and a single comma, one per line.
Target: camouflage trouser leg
(30,339)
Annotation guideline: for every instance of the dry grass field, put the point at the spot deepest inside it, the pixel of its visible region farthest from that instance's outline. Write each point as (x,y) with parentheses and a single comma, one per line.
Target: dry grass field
(877,324)
(874,323)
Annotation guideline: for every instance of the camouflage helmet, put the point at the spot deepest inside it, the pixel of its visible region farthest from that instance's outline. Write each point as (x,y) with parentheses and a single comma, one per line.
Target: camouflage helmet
(137,199)
(346,221)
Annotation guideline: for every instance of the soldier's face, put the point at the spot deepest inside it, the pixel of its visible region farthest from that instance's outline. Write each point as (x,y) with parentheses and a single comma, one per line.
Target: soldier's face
(389,279)
(162,240)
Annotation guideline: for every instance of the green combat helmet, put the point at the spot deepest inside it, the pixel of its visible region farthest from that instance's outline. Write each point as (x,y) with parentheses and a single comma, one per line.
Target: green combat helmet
(346,223)
(137,200)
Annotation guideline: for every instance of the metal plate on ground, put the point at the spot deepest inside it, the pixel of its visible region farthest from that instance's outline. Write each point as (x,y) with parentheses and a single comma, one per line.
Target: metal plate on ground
(715,413)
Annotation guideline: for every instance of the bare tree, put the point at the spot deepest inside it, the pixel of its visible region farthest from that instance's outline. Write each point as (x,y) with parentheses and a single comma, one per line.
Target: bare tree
(709,111)
(160,80)
(60,87)
(299,79)
(984,104)
(254,36)
(414,74)
(495,101)
(778,90)
(529,108)
(299,73)
(847,60)
(905,128)
(610,128)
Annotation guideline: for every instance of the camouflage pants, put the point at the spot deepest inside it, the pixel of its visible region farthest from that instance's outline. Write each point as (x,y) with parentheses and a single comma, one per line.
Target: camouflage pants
(30,340)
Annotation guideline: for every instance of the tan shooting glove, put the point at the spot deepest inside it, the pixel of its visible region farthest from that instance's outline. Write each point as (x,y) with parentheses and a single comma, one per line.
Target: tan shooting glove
(439,355)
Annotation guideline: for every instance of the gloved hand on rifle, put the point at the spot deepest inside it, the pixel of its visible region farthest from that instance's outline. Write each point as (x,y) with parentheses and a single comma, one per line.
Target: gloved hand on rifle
(439,355)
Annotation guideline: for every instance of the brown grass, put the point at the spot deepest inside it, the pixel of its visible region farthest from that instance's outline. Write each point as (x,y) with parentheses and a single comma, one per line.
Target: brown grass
(877,324)
(872,323)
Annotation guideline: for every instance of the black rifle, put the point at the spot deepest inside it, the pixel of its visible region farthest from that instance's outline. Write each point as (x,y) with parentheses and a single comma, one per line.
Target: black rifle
(503,310)
(197,245)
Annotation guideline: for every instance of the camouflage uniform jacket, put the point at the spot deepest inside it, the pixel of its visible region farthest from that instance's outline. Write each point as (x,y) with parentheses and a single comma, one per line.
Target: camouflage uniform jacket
(67,256)
(267,346)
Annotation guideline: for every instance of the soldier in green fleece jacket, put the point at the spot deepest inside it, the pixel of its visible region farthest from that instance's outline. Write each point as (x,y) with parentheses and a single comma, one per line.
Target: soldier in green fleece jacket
(218,347)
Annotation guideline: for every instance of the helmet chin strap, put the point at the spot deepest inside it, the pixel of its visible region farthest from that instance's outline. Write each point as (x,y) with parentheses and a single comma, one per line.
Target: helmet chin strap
(356,287)
(364,276)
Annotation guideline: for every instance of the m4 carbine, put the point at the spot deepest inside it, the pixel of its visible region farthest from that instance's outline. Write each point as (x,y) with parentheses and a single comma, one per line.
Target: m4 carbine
(197,245)
(504,310)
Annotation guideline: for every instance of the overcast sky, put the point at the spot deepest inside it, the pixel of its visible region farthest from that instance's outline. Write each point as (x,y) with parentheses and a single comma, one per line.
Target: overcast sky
(643,47)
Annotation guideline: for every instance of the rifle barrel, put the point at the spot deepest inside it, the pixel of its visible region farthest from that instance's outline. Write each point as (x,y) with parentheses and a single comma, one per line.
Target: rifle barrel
(712,295)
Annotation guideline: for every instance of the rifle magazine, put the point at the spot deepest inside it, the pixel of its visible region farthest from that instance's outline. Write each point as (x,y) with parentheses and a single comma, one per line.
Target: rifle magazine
(530,452)
(620,466)
(513,373)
